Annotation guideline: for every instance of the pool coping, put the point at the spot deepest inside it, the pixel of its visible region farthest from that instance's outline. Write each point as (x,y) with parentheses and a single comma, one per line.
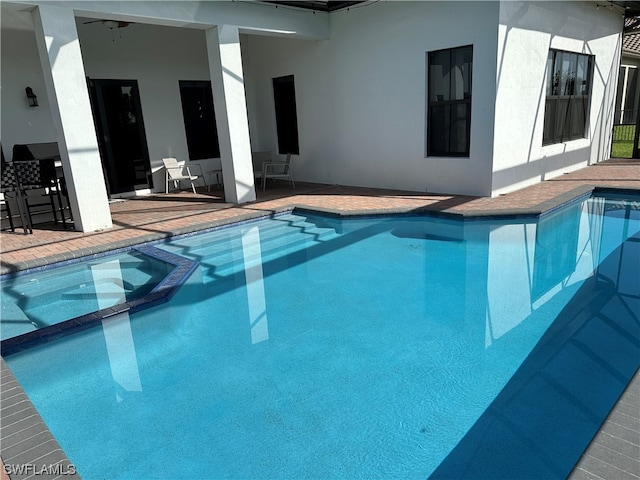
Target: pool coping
(29,449)
(161,293)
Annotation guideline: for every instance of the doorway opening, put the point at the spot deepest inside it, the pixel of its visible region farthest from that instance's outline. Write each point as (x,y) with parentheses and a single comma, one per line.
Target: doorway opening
(284,96)
(122,140)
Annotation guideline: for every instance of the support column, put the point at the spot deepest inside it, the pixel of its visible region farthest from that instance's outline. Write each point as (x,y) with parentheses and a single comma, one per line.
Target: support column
(64,76)
(227,81)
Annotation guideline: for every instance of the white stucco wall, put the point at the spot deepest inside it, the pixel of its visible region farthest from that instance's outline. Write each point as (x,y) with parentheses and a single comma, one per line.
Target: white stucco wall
(360,79)
(527,31)
(21,68)
(157,57)
(361,95)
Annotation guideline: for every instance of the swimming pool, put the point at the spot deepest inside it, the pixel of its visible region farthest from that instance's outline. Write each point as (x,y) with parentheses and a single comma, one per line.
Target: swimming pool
(312,347)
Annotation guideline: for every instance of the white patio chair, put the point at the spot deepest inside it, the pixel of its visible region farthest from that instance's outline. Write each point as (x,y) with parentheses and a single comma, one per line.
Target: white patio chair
(176,171)
(276,169)
(258,158)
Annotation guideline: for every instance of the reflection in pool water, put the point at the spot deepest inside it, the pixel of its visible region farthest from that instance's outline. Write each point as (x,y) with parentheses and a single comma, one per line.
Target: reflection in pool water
(312,348)
(51,296)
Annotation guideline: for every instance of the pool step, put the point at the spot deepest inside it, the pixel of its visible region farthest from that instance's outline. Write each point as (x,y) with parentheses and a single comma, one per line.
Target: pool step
(229,251)
(81,299)
(41,292)
(104,287)
(82,305)
(225,264)
(222,240)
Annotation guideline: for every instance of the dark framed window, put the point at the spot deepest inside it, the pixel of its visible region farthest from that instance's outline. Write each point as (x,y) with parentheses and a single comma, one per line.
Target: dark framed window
(284,97)
(449,101)
(566,113)
(199,119)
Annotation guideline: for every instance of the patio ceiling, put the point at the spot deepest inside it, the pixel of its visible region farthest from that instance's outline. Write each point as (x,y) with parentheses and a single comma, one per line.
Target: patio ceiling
(319,5)
(632,8)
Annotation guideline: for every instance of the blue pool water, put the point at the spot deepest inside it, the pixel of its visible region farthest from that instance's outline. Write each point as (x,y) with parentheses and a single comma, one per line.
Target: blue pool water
(49,297)
(309,347)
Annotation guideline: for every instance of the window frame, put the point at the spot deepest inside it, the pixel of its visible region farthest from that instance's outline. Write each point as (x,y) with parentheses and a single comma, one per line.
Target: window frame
(565,130)
(431,104)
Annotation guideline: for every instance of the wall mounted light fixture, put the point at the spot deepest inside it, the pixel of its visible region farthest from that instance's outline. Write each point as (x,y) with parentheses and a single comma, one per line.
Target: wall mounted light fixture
(31,97)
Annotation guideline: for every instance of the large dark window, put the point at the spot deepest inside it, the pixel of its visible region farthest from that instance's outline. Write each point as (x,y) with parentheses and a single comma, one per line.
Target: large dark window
(199,119)
(284,96)
(449,105)
(568,88)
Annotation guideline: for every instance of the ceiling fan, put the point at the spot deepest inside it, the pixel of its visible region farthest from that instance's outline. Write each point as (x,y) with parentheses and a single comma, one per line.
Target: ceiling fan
(111,24)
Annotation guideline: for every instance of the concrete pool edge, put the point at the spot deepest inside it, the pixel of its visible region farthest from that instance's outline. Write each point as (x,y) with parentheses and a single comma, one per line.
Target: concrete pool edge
(28,446)
(601,459)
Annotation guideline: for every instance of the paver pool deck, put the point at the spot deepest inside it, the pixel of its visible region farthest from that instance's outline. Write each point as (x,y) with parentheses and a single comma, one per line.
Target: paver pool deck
(142,219)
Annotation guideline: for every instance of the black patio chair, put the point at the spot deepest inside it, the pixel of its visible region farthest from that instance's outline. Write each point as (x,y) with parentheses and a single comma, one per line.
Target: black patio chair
(11,194)
(40,175)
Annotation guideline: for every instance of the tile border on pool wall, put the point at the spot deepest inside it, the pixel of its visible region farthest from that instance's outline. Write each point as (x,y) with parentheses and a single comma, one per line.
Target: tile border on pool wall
(162,292)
